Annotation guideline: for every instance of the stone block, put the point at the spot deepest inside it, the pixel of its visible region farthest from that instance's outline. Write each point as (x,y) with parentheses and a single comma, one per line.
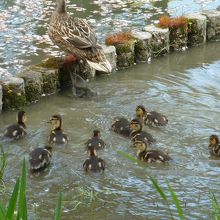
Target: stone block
(111,56)
(0,98)
(13,93)
(196,29)
(213,24)
(160,40)
(33,83)
(143,46)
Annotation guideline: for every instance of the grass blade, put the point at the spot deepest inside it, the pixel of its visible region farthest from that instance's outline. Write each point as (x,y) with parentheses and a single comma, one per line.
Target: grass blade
(2,212)
(58,208)
(176,201)
(215,206)
(3,163)
(12,202)
(129,157)
(158,188)
(22,206)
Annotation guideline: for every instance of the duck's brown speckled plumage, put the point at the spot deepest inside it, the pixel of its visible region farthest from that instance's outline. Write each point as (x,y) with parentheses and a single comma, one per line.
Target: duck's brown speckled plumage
(214,145)
(74,35)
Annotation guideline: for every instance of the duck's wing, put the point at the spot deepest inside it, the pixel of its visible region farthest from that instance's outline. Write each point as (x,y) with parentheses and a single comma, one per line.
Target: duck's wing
(78,32)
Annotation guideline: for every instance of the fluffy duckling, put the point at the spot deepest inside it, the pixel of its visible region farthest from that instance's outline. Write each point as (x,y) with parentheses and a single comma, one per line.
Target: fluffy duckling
(40,158)
(18,130)
(94,163)
(150,156)
(57,135)
(138,134)
(214,145)
(95,141)
(121,126)
(152,118)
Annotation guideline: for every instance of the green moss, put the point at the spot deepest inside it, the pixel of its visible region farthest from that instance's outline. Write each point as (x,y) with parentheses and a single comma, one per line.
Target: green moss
(178,37)
(33,92)
(52,63)
(126,47)
(13,99)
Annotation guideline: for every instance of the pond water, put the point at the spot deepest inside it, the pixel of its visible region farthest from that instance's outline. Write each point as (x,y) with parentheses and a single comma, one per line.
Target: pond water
(184,86)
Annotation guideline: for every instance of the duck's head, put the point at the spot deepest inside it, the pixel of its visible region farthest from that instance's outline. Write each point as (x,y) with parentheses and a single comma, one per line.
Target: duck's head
(213,140)
(140,145)
(96,133)
(21,117)
(136,125)
(56,121)
(61,6)
(91,151)
(140,111)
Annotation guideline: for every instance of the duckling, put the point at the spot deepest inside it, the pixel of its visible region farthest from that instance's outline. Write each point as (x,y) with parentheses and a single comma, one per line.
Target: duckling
(150,156)
(152,118)
(57,135)
(95,141)
(121,126)
(18,130)
(40,158)
(138,134)
(94,163)
(214,145)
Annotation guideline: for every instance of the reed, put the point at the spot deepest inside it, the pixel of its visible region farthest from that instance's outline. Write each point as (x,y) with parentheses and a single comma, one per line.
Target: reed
(17,205)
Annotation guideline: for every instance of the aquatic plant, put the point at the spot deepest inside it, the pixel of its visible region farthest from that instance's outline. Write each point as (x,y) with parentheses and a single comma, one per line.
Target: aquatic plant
(17,205)
(3,163)
(118,38)
(215,206)
(167,22)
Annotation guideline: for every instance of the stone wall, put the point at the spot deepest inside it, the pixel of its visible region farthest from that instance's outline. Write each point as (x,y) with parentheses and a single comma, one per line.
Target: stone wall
(149,43)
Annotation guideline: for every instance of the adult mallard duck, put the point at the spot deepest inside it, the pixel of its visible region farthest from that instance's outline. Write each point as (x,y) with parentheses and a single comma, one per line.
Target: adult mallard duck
(148,155)
(95,141)
(57,135)
(94,163)
(40,158)
(75,36)
(138,134)
(214,145)
(151,118)
(18,130)
(121,126)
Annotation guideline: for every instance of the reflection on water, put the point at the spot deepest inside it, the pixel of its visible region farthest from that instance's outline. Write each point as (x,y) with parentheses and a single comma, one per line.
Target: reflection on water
(23,34)
(184,86)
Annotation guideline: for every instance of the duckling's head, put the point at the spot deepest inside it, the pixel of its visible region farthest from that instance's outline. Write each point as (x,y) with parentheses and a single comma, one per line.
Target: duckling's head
(96,133)
(48,148)
(136,125)
(140,111)
(56,121)
(92,151)
(21,117)
(213,140)
(140,145)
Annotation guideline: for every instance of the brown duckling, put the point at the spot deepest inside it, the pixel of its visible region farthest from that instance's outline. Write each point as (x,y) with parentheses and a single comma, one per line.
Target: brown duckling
(57,135)
(18,130)
(138,134)
(121,126)
(95,141)
(40,158)
(214,145)
(148,155)
(152,118)
(94,163)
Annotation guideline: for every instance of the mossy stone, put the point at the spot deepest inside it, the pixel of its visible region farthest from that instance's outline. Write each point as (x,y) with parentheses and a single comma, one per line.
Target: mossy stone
(178,38)
(33,82)
(13,93)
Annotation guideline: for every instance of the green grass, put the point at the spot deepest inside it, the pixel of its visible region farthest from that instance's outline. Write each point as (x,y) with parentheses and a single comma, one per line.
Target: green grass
(17,205)
(3,163)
